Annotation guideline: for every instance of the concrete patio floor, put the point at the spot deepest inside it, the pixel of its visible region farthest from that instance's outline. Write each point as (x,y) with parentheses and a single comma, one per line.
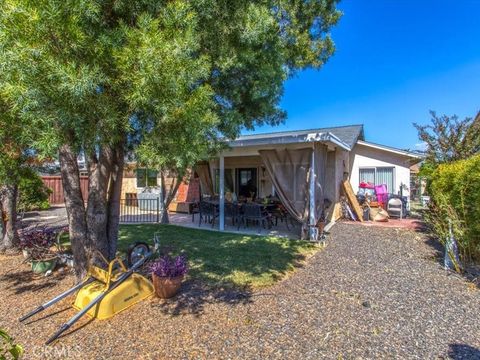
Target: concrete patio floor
(280,230)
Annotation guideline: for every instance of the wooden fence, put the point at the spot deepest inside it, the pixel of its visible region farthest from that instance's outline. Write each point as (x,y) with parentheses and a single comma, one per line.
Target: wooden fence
(55,184)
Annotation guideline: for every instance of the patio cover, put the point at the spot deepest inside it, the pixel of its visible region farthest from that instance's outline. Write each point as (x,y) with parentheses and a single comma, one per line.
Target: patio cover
(299,185)
(206,185)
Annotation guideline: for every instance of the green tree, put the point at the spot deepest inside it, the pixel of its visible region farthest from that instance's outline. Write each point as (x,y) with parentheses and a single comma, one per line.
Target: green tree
(13,158)
(447,138)
(167,80)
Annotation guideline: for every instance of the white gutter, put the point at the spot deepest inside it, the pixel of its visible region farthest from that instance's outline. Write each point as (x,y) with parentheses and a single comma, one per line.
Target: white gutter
(289,139)
(389,149)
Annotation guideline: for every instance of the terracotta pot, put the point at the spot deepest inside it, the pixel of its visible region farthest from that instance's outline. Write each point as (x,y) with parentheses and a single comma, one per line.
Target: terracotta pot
(166,287)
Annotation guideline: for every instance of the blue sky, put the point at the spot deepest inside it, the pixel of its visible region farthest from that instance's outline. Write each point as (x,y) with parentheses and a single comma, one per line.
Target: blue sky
(395,60)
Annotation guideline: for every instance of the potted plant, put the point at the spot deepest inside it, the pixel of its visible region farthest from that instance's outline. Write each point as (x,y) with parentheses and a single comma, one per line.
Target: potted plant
(167,274)
(36,246)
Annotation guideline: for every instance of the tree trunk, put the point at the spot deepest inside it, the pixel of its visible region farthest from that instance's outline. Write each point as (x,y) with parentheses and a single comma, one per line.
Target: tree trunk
(114,195)
(97,217)
(103,209)
(77,222)
(10,239)
(166,198)
(161,201)
(3,215)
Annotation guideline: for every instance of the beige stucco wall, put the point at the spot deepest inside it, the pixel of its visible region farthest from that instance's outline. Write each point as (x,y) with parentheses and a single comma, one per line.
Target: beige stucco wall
(129,183)
(365,156)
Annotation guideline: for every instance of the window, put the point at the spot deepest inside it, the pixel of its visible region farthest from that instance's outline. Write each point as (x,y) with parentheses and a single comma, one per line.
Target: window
(379,176)
(146,177)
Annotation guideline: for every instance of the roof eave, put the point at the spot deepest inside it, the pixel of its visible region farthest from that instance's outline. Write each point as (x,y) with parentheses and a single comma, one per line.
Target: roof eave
(390,149)
(290,139)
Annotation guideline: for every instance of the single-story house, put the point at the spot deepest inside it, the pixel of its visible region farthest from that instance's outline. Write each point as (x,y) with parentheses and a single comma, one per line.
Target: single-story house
(280,163)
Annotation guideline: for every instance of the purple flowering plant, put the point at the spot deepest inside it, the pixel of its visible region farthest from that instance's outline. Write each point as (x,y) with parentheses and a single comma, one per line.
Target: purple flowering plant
(170,266)
(38,237)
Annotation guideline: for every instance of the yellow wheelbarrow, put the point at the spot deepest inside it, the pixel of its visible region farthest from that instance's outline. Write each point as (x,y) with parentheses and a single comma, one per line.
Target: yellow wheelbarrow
(103,293)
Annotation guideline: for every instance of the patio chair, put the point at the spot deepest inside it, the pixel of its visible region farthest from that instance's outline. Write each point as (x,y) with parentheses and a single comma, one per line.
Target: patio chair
(255,212)
(395,208)
(280,213)
(207,212)
(232,211)
(195,210)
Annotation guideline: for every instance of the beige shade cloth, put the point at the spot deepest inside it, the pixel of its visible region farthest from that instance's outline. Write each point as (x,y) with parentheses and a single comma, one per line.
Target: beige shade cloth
(206,184)
(288,170)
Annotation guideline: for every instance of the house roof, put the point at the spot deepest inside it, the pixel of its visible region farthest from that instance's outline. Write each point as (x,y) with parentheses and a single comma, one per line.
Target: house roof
(391,149)
(344,136)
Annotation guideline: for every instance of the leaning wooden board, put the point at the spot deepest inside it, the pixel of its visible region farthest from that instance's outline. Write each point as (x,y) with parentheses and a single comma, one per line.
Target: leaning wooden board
(352,199)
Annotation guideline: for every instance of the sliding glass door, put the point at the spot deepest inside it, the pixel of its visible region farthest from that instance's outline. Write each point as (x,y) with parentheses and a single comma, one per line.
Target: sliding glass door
(379,176)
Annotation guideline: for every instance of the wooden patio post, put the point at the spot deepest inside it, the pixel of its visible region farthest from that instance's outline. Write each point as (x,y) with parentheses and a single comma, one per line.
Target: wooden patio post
(311,212)
(222,193)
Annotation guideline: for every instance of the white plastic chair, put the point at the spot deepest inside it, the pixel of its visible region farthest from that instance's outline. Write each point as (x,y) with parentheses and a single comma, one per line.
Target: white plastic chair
(395,208)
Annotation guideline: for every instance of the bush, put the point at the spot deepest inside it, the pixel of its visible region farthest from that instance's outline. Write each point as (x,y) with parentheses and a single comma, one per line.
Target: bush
(455,191)
(33,194)
(8,348)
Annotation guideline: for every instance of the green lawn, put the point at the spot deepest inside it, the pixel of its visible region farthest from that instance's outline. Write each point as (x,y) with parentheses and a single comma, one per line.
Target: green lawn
(225,258)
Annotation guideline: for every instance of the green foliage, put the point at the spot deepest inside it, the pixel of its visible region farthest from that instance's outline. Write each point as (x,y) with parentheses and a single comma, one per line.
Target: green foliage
(8,348)
(455,191)
(450,139)
(173,77)
(33,194)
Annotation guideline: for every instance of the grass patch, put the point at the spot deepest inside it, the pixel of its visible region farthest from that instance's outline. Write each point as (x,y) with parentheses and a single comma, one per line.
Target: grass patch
(225,258)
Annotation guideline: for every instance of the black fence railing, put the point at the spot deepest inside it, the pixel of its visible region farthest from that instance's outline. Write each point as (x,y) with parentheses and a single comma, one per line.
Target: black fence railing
(139,210)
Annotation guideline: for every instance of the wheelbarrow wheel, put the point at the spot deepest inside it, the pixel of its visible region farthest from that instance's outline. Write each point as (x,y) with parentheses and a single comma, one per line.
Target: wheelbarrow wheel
(137,251)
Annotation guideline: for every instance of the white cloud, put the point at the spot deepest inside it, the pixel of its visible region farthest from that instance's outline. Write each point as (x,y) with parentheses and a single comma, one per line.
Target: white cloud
(422,146)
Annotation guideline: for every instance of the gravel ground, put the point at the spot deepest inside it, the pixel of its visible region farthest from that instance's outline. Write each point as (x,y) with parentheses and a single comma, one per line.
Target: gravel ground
(371,293)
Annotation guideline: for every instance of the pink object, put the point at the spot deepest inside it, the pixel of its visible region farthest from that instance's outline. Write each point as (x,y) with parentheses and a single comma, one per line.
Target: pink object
(382,194)
(365,185)
(381,189)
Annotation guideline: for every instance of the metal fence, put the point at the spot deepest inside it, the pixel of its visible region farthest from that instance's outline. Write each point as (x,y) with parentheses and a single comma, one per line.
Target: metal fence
(139,210)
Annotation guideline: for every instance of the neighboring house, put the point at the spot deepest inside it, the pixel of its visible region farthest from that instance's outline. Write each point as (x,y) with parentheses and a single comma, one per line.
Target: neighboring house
(135,180)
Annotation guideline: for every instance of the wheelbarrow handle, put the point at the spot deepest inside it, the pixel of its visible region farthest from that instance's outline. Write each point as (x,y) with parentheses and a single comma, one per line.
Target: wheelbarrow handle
(56,299)
(99,298)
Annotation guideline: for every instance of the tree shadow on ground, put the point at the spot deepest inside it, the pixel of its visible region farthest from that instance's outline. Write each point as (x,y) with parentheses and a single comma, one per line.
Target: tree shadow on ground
(463,352)
(471,272)
(27,281)
(224,267)
(194,296)
(56,312)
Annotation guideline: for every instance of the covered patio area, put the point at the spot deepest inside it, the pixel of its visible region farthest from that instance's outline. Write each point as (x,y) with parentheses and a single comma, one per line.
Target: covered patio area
(283,184)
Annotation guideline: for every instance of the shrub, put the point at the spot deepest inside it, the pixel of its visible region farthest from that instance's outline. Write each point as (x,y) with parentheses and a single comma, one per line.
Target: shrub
(38,237)
(8,348)
(455,191)
(33,194)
